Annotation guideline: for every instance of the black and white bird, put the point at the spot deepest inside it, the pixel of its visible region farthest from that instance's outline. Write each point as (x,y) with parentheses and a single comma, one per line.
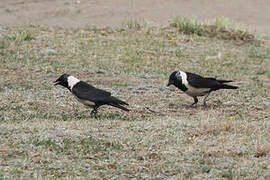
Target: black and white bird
(195,85)
(89,95)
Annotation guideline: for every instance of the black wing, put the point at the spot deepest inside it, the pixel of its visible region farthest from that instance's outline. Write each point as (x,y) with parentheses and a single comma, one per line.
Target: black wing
(85,91)
(198,81)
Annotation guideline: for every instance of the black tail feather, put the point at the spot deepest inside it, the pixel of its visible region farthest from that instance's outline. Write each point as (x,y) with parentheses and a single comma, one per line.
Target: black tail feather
(118,101)
(226,86)
(224,81)
(122,102)
(119,106)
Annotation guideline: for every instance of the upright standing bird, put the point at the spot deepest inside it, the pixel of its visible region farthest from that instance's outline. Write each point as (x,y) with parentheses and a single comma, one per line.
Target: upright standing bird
(89,95)
(195,85)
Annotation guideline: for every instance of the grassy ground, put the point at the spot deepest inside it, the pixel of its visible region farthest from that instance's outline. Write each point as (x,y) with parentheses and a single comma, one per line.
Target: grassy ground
(45,132)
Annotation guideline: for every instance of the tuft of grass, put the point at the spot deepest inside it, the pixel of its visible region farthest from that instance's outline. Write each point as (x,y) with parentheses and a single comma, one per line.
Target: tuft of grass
(22,36)
(187,25)
(221,27)
(224,23)
(134,24)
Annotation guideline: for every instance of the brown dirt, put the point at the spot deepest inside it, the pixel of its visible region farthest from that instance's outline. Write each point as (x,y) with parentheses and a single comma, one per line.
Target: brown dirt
(83,13)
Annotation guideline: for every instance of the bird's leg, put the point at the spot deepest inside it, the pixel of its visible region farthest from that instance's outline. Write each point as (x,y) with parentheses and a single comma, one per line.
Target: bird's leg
(195,101)
(94,111)
(204,100)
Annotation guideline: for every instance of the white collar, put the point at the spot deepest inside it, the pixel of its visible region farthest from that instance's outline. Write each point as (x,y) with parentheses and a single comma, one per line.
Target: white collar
(72,81)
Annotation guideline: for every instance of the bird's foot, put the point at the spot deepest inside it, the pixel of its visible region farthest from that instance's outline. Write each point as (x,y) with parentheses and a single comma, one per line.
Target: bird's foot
(93,113)
(193,105)
(94,116)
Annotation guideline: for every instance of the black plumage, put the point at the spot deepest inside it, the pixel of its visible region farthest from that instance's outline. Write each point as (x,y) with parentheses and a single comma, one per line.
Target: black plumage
(88,94)
(195,85)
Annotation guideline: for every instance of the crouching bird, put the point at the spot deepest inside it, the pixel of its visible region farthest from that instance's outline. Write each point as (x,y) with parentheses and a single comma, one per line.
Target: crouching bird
(89,95)
(195,85)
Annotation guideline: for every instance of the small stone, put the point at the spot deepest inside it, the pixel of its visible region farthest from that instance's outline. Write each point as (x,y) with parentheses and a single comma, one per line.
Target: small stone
(100,71)
(50,52)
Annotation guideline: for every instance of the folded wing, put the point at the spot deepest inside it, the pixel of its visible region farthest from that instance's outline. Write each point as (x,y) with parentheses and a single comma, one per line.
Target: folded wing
(212,83)
(87,92)
(201,82)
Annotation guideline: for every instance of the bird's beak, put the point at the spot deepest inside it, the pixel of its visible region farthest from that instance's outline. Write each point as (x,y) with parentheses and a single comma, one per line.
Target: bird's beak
(56,82)
(169,83)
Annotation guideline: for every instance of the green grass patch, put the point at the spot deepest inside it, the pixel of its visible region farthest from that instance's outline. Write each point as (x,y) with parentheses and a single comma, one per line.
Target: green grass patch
(134,24)
(221,27)
(21,36)
(187,25)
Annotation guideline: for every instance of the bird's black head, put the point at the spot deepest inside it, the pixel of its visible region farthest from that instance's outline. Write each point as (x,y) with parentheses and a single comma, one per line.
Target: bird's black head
(175,78)
(62,80)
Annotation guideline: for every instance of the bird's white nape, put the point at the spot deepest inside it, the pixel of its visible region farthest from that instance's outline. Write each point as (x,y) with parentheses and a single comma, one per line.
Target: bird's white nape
(183,77)
(72,81)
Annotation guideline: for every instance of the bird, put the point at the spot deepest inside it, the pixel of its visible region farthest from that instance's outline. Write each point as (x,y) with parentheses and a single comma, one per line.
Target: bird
(195,85)
(89,95)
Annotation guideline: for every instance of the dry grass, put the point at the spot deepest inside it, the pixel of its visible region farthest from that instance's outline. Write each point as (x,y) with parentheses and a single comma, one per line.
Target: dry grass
(44,132)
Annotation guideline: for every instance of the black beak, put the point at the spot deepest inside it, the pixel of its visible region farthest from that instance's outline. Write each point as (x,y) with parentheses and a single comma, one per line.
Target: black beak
(169,83)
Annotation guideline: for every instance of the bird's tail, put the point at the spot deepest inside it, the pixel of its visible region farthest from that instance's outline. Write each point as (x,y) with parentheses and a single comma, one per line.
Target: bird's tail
(118,103)
(119,106)
(226,86)
(224,81)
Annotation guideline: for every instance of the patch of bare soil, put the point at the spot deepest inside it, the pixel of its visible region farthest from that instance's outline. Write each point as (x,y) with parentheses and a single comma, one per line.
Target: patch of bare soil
(83,13)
